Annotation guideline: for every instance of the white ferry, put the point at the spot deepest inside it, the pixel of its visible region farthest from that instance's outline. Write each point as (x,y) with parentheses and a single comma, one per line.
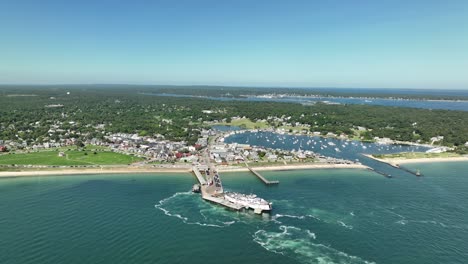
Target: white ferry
(248,201)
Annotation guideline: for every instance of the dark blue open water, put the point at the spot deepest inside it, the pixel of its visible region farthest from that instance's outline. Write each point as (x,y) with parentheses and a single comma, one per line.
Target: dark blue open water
(413,103)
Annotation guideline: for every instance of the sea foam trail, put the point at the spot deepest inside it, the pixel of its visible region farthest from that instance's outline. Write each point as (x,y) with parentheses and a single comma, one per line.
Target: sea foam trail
(300,244)
(276,218)
(317,214)
(179,203)
(431,222)
(345,225)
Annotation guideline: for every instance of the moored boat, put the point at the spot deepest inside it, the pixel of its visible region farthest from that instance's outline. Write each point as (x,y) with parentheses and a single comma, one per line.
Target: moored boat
(249,201)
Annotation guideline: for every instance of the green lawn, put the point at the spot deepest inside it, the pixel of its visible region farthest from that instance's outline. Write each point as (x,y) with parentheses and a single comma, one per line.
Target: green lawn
(87,147)
(71,158)
(297,128)
(96,147)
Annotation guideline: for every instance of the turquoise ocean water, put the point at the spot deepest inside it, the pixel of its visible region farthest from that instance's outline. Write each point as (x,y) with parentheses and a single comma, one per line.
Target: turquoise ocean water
(319,216)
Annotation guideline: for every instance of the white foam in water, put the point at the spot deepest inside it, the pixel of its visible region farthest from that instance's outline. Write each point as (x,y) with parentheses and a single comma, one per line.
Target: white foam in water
(278,216)
(345,225)
(330,217)
(166,205)
(431,222)
(402,222)
(314,217)
(289,216)
(299,244)
(311,234)
(319,215)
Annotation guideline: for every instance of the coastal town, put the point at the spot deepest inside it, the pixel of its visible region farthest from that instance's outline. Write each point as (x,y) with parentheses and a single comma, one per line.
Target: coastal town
(158,152)
(74,127)
(71,144)
(159,134)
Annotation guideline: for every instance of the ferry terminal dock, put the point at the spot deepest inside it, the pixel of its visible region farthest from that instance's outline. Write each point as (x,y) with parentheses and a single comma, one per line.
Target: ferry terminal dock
(211,188)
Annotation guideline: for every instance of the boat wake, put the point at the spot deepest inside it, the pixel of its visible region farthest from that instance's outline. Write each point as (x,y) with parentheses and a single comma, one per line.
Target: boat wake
(403,220)
(278,216)
(314,214)
(289,240)
(301,245)
(181,205)
(345,225)
(431,222)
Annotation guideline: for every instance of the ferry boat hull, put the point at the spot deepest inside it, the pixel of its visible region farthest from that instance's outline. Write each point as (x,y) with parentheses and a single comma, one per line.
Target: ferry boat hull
(249,201)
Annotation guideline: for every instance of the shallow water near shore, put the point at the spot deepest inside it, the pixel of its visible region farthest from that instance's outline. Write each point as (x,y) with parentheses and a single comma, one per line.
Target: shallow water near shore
(319,216)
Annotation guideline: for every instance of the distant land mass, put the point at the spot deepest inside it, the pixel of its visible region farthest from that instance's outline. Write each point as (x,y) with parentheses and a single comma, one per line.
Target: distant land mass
(241,91)
(33,114)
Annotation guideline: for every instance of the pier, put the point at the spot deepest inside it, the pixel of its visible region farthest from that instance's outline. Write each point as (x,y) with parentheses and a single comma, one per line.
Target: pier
(263,179)
(381,173)
(397,166)
(211,188)
(416,173)
(393,165)
(199,176)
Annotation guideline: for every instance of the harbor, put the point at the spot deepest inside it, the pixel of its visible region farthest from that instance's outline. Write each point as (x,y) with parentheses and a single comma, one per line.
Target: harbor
(219,155)
(211,189)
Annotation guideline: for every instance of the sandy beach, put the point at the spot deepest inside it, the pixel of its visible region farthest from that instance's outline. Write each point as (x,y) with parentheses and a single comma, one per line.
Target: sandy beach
(295,167)
(159,170)
(62,172)
(394,162)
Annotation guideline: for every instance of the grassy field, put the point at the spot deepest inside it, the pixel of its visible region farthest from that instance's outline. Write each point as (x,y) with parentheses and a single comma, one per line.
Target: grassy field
(247,123)
(417,155)
(71,158)
(87,147)
(297,128)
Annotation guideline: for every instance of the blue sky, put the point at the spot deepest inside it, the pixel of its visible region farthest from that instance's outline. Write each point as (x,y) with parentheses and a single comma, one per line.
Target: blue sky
(328,43)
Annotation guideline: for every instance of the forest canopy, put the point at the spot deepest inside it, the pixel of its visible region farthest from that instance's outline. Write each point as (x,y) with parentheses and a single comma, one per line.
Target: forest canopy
(29,112)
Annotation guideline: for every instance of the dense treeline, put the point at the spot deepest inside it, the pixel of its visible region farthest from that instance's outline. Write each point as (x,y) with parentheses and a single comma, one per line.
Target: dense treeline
(28,113)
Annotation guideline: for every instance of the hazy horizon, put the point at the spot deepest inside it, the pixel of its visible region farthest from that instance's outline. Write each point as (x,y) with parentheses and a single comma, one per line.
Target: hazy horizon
(229,86)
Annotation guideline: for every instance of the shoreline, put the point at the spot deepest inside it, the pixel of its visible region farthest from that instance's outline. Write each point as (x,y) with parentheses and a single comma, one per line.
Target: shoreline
(71,172)
(294,167)
(399,161)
